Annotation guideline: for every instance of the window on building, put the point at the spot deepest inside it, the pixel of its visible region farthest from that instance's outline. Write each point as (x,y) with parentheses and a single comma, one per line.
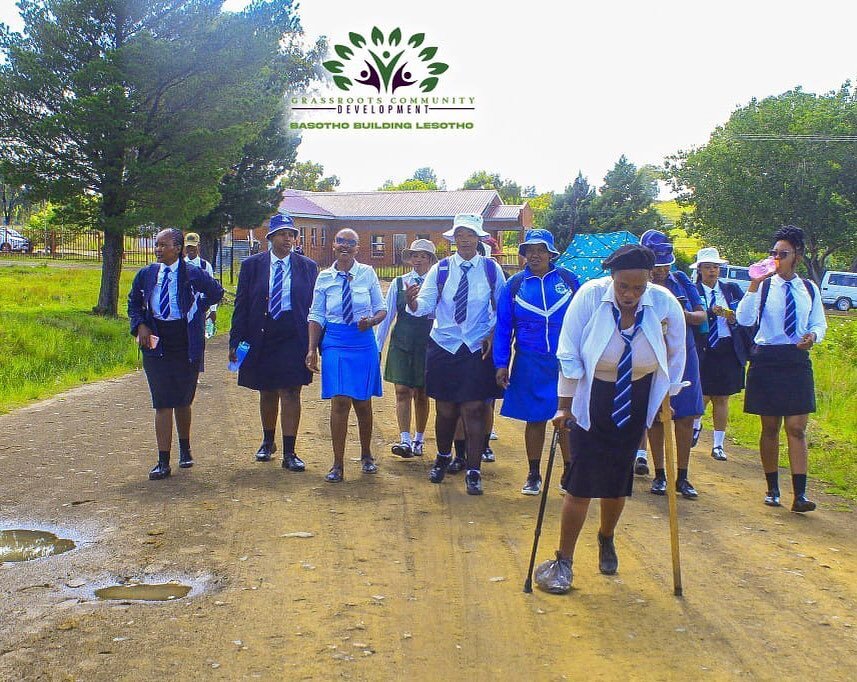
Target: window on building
(424,236)
(377,245)
(313,236)
(324,236)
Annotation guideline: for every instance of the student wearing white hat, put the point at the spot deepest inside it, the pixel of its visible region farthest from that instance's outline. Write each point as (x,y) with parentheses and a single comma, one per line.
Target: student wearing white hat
(462,292)
(406,357)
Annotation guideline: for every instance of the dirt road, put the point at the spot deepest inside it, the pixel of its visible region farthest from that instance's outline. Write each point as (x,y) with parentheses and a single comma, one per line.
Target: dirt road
(401,579)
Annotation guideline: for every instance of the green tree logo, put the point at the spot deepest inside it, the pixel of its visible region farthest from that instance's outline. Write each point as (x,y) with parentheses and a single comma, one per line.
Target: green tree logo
(385,66)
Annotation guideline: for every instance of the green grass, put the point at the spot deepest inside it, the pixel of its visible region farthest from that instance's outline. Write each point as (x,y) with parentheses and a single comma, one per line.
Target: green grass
(50,339)
(832,430)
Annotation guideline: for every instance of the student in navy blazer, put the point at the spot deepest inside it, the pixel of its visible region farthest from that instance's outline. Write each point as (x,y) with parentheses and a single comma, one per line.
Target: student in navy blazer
(271,307)
(169,323)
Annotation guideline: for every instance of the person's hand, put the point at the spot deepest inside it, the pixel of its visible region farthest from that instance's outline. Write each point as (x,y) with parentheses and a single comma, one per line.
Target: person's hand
(143,334)
(806,341)
(364,323)
(487,345)
(563,419)
(503,377)
(212,315)
(233,355)
(755,282)
(311,361)
(411,292)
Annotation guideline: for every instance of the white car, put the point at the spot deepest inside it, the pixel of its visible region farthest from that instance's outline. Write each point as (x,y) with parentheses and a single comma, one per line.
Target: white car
(839,289)
(12,240)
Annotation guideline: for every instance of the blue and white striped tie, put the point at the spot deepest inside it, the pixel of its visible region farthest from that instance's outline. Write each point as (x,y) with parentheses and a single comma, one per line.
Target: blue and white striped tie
(790,324)
(347,309)
(165,295)
(622,398)
(713,336)
(275,305)
(460,298)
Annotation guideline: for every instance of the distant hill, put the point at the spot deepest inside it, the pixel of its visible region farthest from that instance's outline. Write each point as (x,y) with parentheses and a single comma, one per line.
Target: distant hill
(683,243)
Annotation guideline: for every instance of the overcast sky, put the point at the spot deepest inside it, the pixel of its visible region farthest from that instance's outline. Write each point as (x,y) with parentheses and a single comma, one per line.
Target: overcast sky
(568,86)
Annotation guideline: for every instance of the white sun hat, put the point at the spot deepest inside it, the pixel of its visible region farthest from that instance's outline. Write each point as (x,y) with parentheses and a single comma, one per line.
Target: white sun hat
(472,221)
(709,254)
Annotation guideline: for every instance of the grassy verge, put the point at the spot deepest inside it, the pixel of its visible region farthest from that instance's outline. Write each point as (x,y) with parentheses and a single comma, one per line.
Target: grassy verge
(50,339)
(832,430)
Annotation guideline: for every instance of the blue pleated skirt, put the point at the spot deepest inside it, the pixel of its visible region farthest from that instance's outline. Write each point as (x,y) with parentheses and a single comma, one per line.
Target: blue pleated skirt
(531,395)
(688,402)
(350,363)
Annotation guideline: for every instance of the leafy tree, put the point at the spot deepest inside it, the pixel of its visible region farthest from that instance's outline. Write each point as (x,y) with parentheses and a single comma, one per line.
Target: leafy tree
(540,203)
(787,159)
(624,201)
(12,198)
(309,176)
(509,191)
(426,175)
(570,211)
(408,186)
(143,104)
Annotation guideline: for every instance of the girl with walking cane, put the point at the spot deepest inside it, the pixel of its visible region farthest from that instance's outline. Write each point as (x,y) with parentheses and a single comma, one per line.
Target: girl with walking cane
(621,351)
(167,305)
(780,386)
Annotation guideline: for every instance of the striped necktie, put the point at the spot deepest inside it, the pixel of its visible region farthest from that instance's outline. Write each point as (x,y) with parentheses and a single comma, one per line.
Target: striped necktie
(460,298)
(713,336)
(622,397)
(347,309)
(165,295)
(790,324)
(275,305)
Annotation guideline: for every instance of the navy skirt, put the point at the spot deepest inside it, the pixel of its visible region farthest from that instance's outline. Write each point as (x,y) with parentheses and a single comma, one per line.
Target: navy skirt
(602,458)
(350,363)
(280,361)
(172,377)
(688,402)
(720,371)
(531,395)
(779,382)
(460,377)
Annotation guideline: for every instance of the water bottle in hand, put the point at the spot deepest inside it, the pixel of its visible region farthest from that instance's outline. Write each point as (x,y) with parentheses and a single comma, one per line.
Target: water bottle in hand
(240,354)
(763,267)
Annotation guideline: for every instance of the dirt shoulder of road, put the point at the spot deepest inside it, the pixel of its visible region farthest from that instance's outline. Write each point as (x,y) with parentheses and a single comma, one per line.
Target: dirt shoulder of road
(400,579)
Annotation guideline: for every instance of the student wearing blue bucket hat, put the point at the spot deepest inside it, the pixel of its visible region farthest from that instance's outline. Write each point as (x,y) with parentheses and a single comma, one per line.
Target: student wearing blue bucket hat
(531,309)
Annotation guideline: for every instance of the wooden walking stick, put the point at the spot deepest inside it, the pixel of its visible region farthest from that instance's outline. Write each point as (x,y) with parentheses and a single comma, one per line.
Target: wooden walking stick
(528,583)
(670,463)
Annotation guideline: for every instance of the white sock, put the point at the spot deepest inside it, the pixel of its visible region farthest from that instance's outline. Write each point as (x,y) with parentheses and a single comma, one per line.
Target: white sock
(642,454)
(418,437)
(697,423)
(406,437)
(718,438)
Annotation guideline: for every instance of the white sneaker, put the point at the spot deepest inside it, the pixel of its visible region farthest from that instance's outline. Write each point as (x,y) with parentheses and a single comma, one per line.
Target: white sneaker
(493,436)
(417,448)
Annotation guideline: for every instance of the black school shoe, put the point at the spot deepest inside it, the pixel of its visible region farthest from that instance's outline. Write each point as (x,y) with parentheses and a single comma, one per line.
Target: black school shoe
(438,471)
(659,486)
(457,465)
(473,482)
(803,504)
(293,463)
(160,471)
(686,490)
(608,562)
(263,454)
(403,450)
(772,498)
(185,460)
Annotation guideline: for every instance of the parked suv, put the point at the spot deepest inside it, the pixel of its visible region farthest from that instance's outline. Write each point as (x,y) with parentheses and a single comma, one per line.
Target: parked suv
(839,289)
(12,240)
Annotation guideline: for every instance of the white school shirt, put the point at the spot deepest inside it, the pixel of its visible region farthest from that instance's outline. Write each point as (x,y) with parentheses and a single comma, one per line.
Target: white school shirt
(366,298)
(481,312)
(588,327)
(286,300)
(719,299)
(208,268)
(155,301)
(809,313)
(392,296)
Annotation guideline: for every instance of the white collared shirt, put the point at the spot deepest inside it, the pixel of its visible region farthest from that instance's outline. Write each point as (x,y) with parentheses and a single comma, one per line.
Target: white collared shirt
(366,297)
(481,312)
(286,301)
(155,301)
(208,268)
(719,299)
(809,313)
(588,327)
(392,310)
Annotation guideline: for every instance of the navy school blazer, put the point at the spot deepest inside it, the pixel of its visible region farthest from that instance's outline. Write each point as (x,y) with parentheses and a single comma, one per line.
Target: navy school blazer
(733,294)
(197,290)
(251,299)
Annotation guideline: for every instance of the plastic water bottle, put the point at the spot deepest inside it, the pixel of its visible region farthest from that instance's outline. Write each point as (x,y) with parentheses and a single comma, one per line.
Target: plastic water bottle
(762,268)
(210,329)
(240,354)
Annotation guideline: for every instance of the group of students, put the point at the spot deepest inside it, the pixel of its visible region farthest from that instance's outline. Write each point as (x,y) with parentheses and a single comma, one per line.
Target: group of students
(596,360)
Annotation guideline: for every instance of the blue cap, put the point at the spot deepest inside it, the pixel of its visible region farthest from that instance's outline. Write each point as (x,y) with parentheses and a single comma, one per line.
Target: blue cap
(660,244)
(538,236)
(281,221)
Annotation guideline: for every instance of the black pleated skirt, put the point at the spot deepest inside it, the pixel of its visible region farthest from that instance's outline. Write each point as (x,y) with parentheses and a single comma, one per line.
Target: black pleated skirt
(720,371)
(779,382)
(460,377)
(602,459)
(280,361)
(172,378)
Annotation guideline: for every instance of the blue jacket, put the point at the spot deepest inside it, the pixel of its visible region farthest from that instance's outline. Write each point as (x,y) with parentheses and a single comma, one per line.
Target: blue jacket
(535,316)
(682,288)
(251,299)
(197,290)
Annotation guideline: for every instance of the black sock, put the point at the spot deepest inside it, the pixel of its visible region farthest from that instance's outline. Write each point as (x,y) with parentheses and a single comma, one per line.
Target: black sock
(163,456)
(799,484)
(268,436)
(487,442)
(661,474)
(443,459)
(289,445)
(682,474)
(184,444)
(535,465)
(460,448)
(773,480)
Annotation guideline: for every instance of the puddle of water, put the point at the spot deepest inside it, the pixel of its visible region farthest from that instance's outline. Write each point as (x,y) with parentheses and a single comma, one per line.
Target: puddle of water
(144,591)
(26,545)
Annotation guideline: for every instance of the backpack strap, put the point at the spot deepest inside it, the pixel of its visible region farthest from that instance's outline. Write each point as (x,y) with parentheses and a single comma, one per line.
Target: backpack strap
(810,289)
(442,276)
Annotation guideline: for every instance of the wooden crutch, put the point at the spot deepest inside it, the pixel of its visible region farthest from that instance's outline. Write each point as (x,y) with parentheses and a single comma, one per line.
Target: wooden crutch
(670,463)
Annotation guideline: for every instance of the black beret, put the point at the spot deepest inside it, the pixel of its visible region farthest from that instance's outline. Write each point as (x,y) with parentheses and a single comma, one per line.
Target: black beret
(629,257)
